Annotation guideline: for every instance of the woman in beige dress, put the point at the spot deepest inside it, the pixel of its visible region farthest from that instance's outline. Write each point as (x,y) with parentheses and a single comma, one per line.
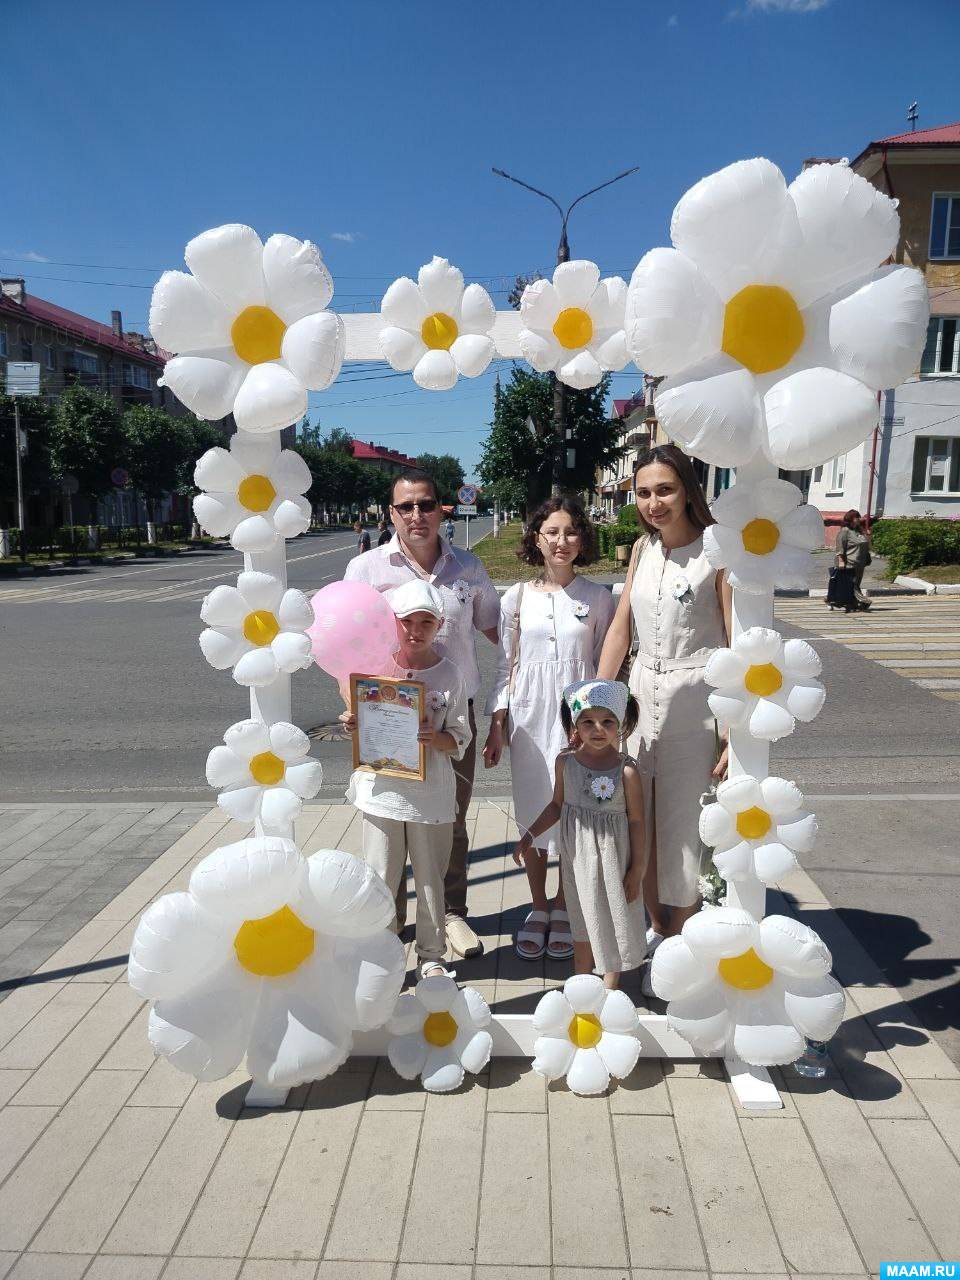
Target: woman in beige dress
(679,608)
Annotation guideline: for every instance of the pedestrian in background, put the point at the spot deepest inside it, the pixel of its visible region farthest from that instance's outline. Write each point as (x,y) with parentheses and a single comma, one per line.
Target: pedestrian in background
(363,537)
(853,553)
(383,532)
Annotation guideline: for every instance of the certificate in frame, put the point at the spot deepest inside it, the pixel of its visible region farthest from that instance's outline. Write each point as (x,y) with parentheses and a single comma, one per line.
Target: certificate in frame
(389,714)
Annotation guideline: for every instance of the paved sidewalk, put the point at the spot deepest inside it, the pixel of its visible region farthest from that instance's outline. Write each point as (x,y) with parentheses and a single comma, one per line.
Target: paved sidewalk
(118,1167)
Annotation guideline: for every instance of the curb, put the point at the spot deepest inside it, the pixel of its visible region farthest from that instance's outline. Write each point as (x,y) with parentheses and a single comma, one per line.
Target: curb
(920,586)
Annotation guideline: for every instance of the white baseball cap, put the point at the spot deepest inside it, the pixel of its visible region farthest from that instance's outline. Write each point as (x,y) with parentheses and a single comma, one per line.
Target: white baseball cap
(416,597)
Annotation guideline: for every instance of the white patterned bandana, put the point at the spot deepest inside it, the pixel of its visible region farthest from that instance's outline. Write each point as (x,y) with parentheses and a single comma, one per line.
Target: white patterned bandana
(586,694)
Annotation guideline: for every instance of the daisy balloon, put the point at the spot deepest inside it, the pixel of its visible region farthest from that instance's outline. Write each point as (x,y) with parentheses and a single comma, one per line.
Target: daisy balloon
(586,1033)
(436,327)
(771,317)
(764,683)
(757,989)
(249,326)
(265,771)
(573,325)
(257,628)
(253,493)
(763,536)
(756,829)
(439,1033)
(269,955)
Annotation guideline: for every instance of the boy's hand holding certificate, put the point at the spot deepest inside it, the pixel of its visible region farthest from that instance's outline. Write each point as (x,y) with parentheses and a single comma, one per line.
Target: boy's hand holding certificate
(389,736)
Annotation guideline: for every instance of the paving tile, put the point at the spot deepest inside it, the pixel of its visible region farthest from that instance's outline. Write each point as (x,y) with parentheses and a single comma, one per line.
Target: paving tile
(202,1269)
(941,1098)
(515,1193)
(81,947)
(930,1176)
(82,1049)
(898,1029)
(640,1274)
(451,1140)
(512,1086)
(162,1086)
(809,1226)
(644,1092)
(19,1129)
(417,1271)
(368,1226)
(156,1212)
(298,1211)
(6,1262)
(89,1208)
(877,1212)
(124,1268)
(20,1006)
(869,1072)
(49,1266)
(724,1185)
(389,1092)
(584,1194)
(355,1270)
(275,1269)
(48,1168)
(661,1223)
(10,1082)
(132,1050)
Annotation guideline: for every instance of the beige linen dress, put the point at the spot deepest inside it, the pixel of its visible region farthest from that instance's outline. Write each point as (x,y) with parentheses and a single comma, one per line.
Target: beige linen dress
(594,856)
(679,623)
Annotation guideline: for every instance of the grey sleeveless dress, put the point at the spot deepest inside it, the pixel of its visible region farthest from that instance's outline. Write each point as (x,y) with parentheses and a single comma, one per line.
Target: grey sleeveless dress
(594,856)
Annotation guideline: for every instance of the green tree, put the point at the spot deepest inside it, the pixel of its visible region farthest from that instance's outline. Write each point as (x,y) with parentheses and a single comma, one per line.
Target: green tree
(35,420)
(446,470)
(517,463)
(88,440)
(160,451)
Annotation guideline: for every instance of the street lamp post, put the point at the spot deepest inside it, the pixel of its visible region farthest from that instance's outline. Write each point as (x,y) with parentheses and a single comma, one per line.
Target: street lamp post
(563,255)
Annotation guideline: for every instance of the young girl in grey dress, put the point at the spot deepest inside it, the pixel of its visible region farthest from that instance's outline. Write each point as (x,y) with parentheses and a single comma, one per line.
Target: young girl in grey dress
(598,801)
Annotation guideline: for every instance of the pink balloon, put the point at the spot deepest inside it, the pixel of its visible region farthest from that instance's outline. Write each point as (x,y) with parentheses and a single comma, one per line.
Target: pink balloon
(354,630)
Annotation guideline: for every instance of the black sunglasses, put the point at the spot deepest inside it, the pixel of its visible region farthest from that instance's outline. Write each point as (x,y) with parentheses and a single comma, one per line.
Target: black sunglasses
(425,507)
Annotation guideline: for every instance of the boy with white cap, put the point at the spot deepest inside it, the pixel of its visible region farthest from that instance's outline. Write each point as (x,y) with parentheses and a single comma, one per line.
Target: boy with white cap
(404,817)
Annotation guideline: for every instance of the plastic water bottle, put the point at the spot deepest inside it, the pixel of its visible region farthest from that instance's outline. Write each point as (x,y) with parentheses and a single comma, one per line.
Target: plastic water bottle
(812,1063)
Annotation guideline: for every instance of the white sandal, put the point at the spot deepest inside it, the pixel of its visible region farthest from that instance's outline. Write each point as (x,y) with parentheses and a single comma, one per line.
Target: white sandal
(528,935)
(560,943)
(434,969)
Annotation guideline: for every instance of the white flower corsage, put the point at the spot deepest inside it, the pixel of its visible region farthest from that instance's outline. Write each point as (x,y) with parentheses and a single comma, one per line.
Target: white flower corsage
(603,788)
(461,590)
(580,610)
(436,700)
(682,591)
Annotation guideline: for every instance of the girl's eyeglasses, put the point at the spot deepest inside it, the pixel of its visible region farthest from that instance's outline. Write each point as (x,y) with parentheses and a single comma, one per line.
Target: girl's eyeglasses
(425,507)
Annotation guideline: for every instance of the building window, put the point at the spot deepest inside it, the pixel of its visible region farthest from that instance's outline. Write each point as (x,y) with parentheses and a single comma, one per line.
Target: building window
(26,350)
(945,226)
(86,364)
(721,480)
(941,355)
(50,356)
(936,465)
(837,474)
(135,375)
(3,343)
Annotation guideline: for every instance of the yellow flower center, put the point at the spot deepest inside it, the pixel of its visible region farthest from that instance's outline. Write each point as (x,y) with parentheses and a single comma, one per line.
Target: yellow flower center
(260,627)
(273,945)
(439,331)
(257,335)
(746,972)
(440,1029)
(256,493)
(267,769)
(763,680)
(753,823)
(573,328)
(762,327)
(585,1030)
(760,537)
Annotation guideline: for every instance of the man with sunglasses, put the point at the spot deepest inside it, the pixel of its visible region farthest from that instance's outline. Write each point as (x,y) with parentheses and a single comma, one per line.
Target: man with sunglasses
(471,603)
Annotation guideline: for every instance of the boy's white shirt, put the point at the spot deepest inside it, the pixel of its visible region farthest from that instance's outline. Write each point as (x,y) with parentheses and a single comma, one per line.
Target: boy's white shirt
(434,799)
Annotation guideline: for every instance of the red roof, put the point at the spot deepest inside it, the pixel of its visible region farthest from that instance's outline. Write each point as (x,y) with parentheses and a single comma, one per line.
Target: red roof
(621,408)
(50,314)
(944,133)
(364,452)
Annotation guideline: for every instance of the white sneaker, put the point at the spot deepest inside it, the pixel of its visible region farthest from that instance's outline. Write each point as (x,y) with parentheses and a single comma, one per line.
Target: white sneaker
(434,969)
(653,940)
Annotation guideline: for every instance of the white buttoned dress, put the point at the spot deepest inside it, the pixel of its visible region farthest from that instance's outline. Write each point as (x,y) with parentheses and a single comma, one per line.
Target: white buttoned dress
(678,622)
(561,635)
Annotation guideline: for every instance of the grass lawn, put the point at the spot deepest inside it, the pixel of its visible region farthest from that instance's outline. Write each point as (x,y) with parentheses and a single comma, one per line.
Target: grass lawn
(937,572)
(499,556)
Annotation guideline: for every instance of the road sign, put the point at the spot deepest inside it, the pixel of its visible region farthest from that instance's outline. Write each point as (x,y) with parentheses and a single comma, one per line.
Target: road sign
(70,484)
(120,477)
(465,509)
(23,378)
(467,495)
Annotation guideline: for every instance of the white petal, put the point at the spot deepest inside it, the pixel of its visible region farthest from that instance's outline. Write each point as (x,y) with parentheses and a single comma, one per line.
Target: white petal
(758,646)
(575,282)
(207,385)
(205,1032)
(477,312)
(249,879)
(815,1006)
(347,898)
(228,261)
(802,528)
(287,741)
(223,607)
(780,797)
(716,825)
(256,668)
(737,505)
(295,611)
(270,399)
(764,1036)
(848,225)
(441,287)
(815,415)
(298,1035)
(736,863)
(713,410)
(774,499)
(241,803)
(255,533)
(305,779)
(770,721)
(219,516)
(476,1052)
(619,1013)
(703,1018)
(541,351)
(798,833)
(401,348)
(247,738)
(675,971)
(442,1071)
(313,349)
(582,371)
(174,944)
(584,992)
(408,1055)
(674,318)
(877,332)
(279,806)
(224,768)
(292,517)
(587,1074)
(184,317)
(255,455)
(613,353)
(773,861)
(805,700)
(552,1015)
(290,474)
(298,282)
(260,590)
(408,1016)
(291,651)
(619,1053)
(221,648)
(368,974)
(477,1007)
(737,794)
(218,470)
(403,305)
(725,668)
(730,707)
(553,1056)
(437,994)
(472,353)
(793,948)
(539,306)
(735,223)
(719,933)
(435,371)
(607,308)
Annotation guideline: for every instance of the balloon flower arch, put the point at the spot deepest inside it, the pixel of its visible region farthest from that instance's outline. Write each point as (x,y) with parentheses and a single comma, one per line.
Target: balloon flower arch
(775,329)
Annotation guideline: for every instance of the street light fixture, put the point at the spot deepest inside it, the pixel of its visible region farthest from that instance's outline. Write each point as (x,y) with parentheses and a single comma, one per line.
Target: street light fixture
(563,255)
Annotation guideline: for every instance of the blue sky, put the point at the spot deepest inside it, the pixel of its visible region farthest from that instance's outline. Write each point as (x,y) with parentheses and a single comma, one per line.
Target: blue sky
(371,129)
